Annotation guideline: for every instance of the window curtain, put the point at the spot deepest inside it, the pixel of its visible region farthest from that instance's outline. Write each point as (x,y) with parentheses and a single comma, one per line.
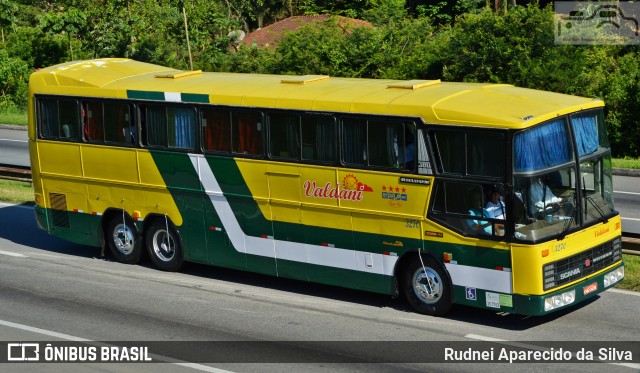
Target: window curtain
(354,134)
(585,128)
(247,134)
(183,131)
(325,140)
(293,136)
(221,128)
(542,147)
(217,130)
(49,116)
(91,130)
(157,126)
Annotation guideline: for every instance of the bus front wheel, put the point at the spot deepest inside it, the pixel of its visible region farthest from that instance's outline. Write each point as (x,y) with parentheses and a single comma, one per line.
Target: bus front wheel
(123,240)
(427,287)
(163,244)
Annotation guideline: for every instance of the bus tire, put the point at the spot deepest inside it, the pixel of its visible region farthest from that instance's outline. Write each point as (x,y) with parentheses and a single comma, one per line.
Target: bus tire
(123,240)
(164,246)
(427,289)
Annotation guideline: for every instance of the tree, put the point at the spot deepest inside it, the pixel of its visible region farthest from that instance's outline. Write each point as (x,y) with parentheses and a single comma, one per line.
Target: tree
(68,21)
(14,75)
(8,10)
(443,12)
(108,29)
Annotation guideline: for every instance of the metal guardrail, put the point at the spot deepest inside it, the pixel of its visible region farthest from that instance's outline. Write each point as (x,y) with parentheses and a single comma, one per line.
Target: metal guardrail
(13,172)
(630,242)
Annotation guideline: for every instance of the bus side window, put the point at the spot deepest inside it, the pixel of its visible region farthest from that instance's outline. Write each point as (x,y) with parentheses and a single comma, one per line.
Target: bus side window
(216,125)
(452,159)
(69,113)
(118,124)
(424,163)
(318,137)
(247,132)
(471,153)
(450,205)
(391,144)
(93,121)
(181,127)
(486,154)
(156,125)
(59,119)
(354,141)
(49,127)
(462,206)
(284,135)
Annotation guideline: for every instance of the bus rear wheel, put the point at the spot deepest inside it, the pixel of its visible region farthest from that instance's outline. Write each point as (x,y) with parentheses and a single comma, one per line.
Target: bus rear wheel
(163,245)
(123,240)
(426,286)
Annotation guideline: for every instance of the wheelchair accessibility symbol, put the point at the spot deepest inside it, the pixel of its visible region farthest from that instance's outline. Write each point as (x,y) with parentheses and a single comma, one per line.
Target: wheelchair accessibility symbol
(471,293)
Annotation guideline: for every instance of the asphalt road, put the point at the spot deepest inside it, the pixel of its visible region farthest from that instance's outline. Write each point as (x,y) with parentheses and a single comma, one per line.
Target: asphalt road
(14,149)
(53,290)
(626,198)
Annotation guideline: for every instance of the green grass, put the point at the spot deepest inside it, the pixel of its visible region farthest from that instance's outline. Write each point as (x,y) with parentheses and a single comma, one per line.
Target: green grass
(631,279)
(626,162)
(13,117)
(16,191)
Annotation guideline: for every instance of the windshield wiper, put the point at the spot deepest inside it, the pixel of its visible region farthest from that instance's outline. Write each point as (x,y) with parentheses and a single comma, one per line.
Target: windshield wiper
(602,216)
(566,227)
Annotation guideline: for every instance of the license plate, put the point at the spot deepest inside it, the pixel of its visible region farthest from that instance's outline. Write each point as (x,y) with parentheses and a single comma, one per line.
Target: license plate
(590,288)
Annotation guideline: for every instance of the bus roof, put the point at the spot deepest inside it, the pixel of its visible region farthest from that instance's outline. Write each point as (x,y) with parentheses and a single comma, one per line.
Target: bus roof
(486,105)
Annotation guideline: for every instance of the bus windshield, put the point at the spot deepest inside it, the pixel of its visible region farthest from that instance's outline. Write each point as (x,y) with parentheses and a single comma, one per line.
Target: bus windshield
(553,192)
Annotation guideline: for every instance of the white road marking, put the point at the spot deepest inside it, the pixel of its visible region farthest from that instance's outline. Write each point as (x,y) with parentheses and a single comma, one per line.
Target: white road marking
(17,255)
(625,292)
(200,367)
(5,204)
(534,347)
(632,193)
(14,140)
(483,338)
(43,331)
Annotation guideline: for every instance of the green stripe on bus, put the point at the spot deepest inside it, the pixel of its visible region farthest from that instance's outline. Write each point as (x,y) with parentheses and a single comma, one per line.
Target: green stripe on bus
(195,97)
(160,96)
(180,177)
(145,95)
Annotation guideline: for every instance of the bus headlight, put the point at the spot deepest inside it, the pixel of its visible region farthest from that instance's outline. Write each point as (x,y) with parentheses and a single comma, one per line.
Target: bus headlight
(559,300)
(613,277)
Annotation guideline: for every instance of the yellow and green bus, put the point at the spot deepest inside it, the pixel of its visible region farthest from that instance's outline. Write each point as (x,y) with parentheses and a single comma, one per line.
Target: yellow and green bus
(485,195)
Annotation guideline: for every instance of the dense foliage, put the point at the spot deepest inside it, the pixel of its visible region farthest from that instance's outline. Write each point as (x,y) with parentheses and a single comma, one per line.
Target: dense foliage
(504,41)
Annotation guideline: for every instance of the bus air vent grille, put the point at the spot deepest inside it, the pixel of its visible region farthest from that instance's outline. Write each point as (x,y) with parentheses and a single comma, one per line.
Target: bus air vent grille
(59,213)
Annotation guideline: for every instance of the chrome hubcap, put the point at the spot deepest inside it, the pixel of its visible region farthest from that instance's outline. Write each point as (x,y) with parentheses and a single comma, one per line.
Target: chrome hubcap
(164,246)
(427,285)
(124,239)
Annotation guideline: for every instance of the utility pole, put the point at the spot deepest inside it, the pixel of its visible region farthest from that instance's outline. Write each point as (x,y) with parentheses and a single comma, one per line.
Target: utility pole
(186,31)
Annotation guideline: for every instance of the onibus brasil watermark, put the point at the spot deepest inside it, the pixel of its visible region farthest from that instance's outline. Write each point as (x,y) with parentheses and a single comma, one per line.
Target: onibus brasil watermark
(559,355)
(593,23)
(624,352)
(47,352)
